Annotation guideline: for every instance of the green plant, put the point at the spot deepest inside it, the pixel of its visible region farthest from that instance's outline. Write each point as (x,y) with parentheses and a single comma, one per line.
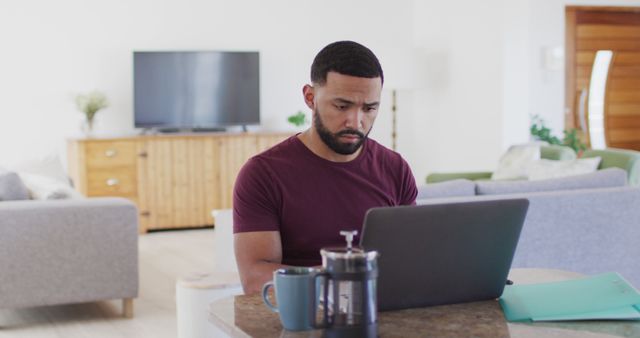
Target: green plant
(298,119)
(572,140)
(91,103)
(543,133)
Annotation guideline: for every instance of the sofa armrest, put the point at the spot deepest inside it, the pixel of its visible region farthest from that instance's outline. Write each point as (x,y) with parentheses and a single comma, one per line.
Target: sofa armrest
(626,159)
(474,176)
(67,251)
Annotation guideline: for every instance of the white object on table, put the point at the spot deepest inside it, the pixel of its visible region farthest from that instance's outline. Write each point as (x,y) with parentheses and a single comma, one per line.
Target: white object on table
(194,293)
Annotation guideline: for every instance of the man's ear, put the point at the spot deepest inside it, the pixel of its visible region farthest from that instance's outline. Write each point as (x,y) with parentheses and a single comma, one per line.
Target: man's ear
(308,94)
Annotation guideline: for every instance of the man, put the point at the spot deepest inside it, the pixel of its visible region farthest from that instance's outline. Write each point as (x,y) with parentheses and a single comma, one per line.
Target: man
(294,199)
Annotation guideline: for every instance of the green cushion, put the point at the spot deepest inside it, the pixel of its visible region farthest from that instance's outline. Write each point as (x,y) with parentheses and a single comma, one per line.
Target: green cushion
(628,160)
(442,177)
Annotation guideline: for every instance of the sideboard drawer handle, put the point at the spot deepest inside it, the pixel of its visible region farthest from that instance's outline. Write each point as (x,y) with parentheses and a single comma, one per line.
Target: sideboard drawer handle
(110,153)
(113,182)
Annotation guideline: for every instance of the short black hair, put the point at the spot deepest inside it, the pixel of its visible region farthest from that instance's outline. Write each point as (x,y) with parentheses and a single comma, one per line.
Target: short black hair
(347,58)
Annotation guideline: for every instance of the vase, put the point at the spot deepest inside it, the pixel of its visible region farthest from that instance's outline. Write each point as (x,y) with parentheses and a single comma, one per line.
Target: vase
(87,128)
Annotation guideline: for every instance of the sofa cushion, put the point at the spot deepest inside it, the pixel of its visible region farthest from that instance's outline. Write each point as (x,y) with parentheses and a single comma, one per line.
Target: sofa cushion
(612,177)
(47,165)
(47,188)
(11,187)
(545,169)
(513,164)
(447,189)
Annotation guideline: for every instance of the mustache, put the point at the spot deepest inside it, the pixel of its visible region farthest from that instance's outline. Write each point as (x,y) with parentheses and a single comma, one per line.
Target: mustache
(350,132)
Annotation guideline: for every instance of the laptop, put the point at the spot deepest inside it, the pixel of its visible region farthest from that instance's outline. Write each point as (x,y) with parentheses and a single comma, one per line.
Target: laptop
(443,253)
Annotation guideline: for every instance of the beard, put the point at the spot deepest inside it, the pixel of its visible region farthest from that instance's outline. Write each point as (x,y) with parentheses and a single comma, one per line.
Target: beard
(332,140)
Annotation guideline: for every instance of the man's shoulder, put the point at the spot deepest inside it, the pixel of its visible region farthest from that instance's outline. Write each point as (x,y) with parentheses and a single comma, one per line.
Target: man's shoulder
(267,170)
(279,153)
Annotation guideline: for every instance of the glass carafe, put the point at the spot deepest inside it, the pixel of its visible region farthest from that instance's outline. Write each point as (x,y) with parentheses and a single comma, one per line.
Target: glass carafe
(349,293)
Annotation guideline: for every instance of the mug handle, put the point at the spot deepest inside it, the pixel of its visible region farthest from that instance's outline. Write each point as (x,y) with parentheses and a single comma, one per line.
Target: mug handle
(265,296)
(325,299)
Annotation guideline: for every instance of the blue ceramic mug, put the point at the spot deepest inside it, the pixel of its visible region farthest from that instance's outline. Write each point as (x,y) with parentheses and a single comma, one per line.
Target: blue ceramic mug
(296,291)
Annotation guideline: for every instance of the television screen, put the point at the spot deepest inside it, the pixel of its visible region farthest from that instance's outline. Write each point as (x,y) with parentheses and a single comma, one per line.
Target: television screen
(203,89)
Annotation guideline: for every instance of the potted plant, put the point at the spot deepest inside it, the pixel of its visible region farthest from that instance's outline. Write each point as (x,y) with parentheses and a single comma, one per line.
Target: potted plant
(298,119)
(89,104)
(541,132)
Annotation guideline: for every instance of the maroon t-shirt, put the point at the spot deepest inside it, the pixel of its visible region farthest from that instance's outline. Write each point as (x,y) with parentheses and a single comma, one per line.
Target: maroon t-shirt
(309,200)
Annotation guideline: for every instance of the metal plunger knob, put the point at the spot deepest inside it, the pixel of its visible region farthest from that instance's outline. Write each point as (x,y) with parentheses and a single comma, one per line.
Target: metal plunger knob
(349,237)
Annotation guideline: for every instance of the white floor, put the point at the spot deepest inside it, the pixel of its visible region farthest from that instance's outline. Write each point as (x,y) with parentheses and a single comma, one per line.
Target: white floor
(164,257)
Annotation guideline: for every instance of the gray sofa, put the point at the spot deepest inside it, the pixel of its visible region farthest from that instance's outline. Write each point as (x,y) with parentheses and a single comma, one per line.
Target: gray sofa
(68,251)
(588,223)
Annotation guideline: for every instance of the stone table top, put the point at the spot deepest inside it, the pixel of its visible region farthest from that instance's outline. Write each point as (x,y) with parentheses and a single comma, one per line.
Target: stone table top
(247,316)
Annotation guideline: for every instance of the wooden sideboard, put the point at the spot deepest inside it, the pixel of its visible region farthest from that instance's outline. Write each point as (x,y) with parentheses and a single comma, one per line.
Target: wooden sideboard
(175,180)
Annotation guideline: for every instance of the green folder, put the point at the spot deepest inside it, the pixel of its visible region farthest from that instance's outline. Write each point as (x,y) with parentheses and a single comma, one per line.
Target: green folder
(602,297)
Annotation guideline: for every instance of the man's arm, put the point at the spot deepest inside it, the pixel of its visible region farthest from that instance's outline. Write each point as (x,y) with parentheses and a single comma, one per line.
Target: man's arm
(258,254)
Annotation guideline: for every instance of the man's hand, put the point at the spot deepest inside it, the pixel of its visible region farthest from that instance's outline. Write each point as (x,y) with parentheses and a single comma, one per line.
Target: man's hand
(258,254)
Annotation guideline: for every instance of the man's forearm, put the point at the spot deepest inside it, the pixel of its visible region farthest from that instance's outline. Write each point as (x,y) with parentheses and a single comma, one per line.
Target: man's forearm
(256,275)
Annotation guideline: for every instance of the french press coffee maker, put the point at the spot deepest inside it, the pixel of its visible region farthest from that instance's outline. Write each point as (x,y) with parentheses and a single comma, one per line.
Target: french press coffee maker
(349,293)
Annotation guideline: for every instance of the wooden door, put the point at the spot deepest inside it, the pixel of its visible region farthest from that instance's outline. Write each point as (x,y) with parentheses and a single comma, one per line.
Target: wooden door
(588,30)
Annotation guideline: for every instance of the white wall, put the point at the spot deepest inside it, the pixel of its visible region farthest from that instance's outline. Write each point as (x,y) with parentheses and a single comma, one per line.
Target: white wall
(460,111)
(51,50)
(484,72)
(516,100)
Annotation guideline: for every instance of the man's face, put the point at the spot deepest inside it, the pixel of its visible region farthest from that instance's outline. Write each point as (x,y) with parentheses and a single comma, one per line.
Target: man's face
(344,110)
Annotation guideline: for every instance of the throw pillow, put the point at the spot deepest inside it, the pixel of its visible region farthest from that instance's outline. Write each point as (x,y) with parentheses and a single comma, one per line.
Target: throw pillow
(11,187)
(513,164)
(46,188)
(447,189)
(607,178)
(546,169)
(48,165)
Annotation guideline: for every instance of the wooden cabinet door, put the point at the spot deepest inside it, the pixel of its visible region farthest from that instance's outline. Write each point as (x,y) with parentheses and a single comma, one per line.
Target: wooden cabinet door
(177,182)
(234,151)
(182,179)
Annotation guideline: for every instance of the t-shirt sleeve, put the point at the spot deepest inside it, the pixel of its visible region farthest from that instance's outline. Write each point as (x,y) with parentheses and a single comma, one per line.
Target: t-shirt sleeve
(255,199)
(408,190)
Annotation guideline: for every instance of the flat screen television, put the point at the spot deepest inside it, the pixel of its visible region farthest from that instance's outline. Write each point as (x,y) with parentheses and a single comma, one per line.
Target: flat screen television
(196,89)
